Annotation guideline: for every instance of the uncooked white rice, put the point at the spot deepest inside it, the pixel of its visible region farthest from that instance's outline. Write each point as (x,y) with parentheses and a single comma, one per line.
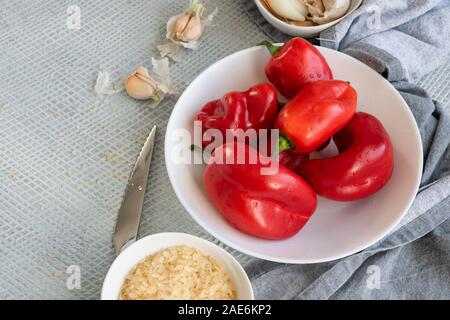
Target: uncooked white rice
(178,273)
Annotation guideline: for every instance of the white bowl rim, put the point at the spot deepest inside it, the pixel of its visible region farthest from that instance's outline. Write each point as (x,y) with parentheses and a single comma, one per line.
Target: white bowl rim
(110,274)
(316,28)
(231,243)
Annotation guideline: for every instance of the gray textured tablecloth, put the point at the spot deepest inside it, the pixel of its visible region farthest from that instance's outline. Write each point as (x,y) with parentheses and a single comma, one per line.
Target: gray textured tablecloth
(65,156)
(58,195)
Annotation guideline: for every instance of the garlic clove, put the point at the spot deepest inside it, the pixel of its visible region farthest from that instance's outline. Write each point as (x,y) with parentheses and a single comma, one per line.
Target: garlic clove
(315,7)
(141,86)
(142,71)
(324,11)
(305,23)
(289,9)
(180,25)
(192,31)
(187,28)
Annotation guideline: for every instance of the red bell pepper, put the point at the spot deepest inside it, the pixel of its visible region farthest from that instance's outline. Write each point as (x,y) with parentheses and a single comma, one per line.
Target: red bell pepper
(267,206)
(324,145)
(287,158)
(363,166)
(295,64)
(255,108)
(320,110)
(292,160)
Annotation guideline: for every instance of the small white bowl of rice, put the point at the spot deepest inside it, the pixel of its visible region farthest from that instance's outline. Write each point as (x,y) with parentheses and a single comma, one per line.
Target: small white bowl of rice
(176,266)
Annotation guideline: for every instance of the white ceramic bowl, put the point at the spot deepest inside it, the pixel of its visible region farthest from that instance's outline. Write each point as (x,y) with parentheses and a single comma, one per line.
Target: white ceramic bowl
(337,229)
(156,242)
(298,31)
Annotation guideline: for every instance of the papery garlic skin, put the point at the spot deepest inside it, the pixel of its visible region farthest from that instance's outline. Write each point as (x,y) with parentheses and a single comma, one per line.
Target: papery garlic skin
(289,9)
(141,86)
(324,11)
(161,72)
(103,85)
(171,50)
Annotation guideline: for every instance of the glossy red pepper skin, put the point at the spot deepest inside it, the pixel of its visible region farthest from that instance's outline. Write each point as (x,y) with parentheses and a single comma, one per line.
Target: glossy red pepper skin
(363,166)
(320,110)
(291,160)
(297,63)
(266,206)
(255,108)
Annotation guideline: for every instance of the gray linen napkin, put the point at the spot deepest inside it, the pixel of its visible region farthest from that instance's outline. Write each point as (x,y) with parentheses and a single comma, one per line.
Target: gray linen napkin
(402,40)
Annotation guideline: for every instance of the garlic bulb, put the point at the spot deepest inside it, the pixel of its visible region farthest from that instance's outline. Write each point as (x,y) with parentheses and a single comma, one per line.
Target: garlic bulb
(289,9)
(141,86)
(324,11)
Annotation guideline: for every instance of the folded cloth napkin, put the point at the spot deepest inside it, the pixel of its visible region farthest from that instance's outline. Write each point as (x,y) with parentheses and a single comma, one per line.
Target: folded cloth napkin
(402,40)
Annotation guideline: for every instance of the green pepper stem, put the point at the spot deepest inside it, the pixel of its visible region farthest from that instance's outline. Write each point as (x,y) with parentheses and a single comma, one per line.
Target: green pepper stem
(284,144)
(273,49)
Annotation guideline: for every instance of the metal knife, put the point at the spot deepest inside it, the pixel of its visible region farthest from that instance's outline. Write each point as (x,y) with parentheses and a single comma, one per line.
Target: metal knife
(130,210)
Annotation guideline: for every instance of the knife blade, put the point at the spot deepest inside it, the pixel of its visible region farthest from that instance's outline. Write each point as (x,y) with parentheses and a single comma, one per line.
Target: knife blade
(133,200)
